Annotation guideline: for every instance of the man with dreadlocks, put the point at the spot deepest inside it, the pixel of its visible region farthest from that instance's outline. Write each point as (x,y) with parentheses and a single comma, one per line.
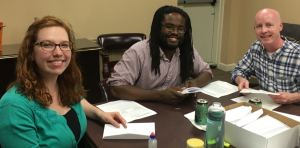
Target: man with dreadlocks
(156,69)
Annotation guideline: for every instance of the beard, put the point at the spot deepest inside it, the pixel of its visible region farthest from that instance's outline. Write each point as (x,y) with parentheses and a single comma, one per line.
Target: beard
(163,43)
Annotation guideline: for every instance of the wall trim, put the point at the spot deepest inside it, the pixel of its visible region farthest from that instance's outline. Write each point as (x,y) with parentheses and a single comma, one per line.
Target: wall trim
(218,29)
(226,67)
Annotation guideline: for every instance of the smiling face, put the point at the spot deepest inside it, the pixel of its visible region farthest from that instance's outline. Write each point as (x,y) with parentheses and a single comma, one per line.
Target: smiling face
(52,63)
(267,28)
(170,40)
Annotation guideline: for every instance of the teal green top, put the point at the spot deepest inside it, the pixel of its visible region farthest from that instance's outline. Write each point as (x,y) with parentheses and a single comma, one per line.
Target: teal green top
(25,123)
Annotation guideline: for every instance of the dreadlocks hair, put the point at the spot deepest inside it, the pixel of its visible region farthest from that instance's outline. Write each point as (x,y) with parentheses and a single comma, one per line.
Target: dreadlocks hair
(186,49)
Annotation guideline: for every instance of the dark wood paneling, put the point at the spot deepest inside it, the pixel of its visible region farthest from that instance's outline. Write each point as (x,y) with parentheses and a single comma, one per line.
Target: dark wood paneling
(88,62)
(7,73)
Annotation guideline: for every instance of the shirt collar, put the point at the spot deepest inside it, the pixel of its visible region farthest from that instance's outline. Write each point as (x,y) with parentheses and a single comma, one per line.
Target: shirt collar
(277,52)
(283,47)
(162,54)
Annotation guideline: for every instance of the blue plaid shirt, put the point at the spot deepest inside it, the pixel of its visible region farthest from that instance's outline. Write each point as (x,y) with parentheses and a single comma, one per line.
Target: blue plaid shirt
(278,73)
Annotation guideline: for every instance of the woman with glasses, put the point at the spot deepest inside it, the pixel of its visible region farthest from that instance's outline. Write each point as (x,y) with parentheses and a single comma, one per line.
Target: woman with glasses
(45,105)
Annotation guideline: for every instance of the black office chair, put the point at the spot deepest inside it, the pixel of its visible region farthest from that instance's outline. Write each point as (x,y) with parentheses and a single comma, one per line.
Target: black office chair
(110,42)
(291,32)
(106,96)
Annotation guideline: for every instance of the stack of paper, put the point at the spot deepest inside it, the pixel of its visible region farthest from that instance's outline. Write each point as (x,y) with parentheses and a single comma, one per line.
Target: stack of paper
(266,100)
(249,90)
(218,89)
(130,110)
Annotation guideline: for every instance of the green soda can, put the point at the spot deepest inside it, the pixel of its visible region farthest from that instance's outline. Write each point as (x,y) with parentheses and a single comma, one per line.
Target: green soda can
(255,101)
(201,112)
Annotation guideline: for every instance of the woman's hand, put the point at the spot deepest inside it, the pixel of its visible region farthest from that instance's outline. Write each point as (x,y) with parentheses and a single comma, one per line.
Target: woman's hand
(114,118)
(107,117)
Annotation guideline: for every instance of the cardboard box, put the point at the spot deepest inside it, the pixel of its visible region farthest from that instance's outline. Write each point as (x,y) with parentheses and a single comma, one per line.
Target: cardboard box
(242,138)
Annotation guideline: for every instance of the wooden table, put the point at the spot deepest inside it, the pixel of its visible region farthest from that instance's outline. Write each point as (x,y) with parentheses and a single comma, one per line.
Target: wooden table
(171,127)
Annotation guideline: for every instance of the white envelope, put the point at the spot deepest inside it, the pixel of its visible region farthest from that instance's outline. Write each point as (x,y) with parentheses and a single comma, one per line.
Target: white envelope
(191,90)
(237,113)
(133,131)
(250,118)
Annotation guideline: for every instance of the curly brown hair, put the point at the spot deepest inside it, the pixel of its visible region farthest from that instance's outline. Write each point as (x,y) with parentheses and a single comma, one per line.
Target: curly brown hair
(29,81)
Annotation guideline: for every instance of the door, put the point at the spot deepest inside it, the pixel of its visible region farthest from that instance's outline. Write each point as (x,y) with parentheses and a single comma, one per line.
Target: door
(202,19)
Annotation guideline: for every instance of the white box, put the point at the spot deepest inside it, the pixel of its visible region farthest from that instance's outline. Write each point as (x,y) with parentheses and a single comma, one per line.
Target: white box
(242,138)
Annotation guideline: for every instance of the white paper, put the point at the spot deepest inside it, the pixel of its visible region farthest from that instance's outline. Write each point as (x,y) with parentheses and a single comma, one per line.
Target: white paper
(133,131)
(237,113)
(266,100)
(191,90)
(130,110)
(249,118)
(294,117)
(191,117)
(218,89)
(257,91)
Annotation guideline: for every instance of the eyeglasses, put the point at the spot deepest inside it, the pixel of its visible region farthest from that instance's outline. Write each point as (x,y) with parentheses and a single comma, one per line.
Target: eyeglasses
(50,46)
(172,28)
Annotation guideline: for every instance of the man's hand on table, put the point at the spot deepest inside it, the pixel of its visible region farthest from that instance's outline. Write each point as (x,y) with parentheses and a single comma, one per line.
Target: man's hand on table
(171,96)
(114,118)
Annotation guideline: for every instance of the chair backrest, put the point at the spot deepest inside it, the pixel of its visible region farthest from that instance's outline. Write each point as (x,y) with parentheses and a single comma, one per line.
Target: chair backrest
(105,92)
(115,41)
(119,40)
(291,30)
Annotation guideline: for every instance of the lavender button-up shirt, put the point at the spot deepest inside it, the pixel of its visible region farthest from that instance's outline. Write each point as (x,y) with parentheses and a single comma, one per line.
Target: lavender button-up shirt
(135,69)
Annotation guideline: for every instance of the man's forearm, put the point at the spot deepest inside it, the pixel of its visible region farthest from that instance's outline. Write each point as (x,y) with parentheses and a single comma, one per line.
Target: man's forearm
(129,92)
(203,79)
(238,79)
